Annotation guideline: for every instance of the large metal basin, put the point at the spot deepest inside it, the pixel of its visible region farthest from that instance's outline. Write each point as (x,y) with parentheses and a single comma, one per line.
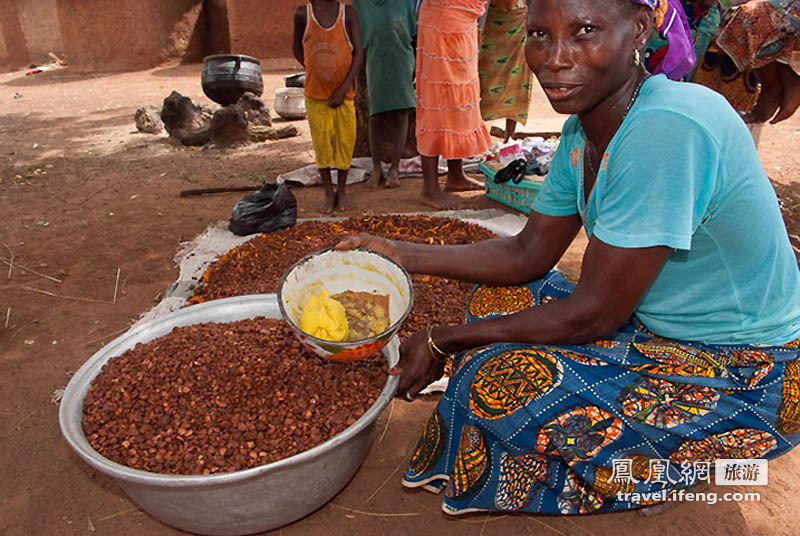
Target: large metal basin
(242,502)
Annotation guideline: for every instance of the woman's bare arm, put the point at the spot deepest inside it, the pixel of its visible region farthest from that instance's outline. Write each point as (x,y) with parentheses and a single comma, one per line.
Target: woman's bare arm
(500,261)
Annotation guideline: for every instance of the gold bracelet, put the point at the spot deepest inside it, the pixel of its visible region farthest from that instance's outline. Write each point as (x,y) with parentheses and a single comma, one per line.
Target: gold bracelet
(433,349)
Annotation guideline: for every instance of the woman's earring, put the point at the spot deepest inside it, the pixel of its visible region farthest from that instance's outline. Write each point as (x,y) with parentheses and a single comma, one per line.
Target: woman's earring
(637,57)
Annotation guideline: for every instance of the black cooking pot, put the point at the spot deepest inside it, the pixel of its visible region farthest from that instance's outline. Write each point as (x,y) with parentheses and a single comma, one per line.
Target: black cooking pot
(296,80)
(226,77)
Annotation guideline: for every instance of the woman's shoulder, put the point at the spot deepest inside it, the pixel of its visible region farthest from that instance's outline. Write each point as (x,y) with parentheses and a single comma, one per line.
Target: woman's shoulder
(687,98)
(666,104)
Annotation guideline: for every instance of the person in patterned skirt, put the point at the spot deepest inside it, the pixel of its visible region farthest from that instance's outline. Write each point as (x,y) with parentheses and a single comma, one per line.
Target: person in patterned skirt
(678,346)
(505,76)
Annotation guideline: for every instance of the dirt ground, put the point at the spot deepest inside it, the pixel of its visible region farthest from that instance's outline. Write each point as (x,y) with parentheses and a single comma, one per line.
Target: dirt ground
(83,195)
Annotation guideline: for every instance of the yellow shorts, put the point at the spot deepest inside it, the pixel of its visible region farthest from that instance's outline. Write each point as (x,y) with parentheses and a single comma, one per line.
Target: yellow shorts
(333,132)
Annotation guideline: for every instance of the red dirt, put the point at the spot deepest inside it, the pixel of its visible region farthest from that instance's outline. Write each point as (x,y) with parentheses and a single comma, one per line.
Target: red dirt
(83,195)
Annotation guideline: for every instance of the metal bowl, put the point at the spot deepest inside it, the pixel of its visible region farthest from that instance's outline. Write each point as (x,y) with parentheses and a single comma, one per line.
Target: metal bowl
(290,102)
(241,502)
(359,270)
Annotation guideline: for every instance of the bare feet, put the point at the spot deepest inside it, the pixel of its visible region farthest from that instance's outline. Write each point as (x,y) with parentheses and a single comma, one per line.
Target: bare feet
(341,204)
(393,179)
(327,206)
(461,183)
(375,178)
(440,201)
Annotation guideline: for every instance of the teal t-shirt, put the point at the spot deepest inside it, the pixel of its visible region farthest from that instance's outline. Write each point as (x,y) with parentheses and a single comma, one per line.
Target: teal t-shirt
(682,171)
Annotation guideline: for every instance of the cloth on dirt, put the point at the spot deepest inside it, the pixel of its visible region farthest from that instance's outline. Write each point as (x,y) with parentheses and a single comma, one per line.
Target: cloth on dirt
(505,78)
(449,122)
(387,30)
(542,429)
(328,55)
(333,132)
(362,166)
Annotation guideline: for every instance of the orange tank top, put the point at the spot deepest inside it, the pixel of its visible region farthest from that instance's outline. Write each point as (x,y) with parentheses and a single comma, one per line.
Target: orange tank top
(328,55)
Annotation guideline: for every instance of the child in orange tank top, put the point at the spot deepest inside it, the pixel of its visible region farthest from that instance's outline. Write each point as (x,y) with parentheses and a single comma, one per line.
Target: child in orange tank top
(327,42)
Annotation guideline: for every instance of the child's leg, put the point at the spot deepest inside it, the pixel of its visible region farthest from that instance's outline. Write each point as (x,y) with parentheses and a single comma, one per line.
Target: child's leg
(343,145)
(341,182)
(376,149)
(321,124)
(399,134)
(330,197)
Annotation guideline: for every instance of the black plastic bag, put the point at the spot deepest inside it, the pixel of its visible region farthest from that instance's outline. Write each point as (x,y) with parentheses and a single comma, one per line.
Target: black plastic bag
(271,208)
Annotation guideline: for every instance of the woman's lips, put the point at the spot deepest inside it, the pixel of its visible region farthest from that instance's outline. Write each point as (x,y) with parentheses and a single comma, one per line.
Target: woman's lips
(557,92)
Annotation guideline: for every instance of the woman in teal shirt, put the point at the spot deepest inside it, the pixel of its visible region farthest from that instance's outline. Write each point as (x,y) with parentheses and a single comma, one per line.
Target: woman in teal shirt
(678,346)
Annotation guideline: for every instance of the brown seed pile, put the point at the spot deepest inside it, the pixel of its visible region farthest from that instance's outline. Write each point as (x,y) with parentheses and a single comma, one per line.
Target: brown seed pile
(213,398)
(256,266)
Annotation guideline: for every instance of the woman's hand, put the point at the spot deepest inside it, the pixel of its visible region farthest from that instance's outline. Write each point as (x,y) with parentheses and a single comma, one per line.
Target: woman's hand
(780,94)
(375,243)
(417,368)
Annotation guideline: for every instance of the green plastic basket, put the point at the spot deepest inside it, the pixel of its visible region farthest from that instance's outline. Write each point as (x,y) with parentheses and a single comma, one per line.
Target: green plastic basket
(517,196)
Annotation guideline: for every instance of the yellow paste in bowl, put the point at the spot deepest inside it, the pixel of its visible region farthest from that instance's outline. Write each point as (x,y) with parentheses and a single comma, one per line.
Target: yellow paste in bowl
(324,318)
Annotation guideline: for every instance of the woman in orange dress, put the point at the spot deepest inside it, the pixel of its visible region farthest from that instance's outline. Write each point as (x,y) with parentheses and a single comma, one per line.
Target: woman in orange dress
(449,122)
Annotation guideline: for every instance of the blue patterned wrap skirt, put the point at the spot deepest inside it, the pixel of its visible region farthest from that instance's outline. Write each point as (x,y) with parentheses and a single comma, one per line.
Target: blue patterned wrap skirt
(545,429)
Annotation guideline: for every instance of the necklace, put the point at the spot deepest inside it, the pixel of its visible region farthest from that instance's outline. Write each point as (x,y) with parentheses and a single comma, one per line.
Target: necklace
(589,151)
(589,148)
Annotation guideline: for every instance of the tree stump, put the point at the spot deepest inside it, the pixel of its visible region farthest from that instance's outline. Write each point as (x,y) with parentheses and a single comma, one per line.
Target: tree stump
(186,121)
(229,126)
(255,110)
(244,122)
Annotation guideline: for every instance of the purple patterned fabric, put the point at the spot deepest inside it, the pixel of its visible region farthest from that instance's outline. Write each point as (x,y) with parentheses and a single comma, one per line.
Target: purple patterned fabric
(671,24)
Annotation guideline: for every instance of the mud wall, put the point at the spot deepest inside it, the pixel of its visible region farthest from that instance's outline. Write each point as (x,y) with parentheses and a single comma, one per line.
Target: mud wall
(119,35)
(14,50)
(39,22)
(262,28)
(130,34)
(218,38)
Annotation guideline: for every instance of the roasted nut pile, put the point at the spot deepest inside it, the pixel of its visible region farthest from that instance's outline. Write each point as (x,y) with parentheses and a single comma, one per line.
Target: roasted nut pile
(256,266)
(213,398)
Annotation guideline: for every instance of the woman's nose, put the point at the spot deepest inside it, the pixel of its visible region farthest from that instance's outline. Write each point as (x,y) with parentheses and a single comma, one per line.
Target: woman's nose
(559,55)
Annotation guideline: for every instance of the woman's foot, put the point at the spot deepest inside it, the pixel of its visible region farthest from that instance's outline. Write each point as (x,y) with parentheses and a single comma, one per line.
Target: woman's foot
(458,182)
(440,200)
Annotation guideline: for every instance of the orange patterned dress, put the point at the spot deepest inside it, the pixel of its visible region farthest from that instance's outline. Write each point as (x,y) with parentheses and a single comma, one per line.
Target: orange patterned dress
(449,122)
